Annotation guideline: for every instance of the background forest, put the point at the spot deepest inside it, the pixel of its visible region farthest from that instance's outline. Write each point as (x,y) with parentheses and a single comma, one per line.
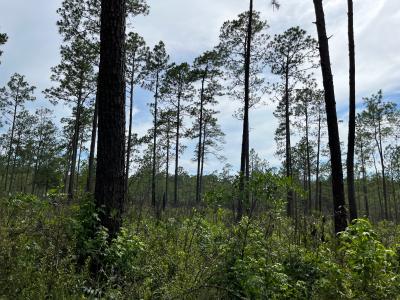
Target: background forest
(96,205)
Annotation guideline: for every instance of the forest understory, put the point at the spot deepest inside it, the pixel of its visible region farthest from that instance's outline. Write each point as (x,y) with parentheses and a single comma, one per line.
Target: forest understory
(48,250)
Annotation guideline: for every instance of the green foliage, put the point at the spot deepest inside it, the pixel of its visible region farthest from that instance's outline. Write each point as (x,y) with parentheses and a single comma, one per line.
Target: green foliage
(48,250)
(372,268)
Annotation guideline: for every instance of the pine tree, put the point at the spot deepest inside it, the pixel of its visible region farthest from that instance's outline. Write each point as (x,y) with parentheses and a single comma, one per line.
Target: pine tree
(206,70)
(242,43)
(80,19)
(176,91)
(21,138)
(306,110)
(156,66)
(136,54)
(76,85)
(110,183)
(340,214)
(352,116)
(379,118)
(363,151)
(3,40)
(166,131)
(47,150)
(290,54)
(13,98)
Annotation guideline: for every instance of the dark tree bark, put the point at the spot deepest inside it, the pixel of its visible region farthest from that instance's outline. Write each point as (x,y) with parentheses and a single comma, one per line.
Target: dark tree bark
(75,144)
(91,167)
(78,171)
(340,217)
(178,127)
(165,200)
(352,116)
(153,175)
(199,153)
(67,168)
(288,143)
(396,213)
(110,185)
(244,161)
(203,149)
(129,143)
(308,163)
(317,179)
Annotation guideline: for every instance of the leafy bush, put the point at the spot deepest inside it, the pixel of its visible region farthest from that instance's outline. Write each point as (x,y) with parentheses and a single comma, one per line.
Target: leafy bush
(48,250)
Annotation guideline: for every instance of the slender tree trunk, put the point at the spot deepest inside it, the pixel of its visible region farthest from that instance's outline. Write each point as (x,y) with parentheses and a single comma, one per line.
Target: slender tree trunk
(383,170)
(167,165)
(11,141)
(352,116)
(308,163)
(379,189)
(396,213)
(288,143)
(91,167)
(14,163)
(129,144)
(75,144)
(340,217)
(317,180)
(199,154)
(178,126)
(244,161)
(153,177)
(78,172)
(36,168)
(110,183)
(365,188)
(67,169)
(203,154)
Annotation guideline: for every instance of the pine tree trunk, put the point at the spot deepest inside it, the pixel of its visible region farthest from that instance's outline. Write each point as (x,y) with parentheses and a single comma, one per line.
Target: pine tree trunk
(67,169)
(78,172)
(165,202)
(75,144)
(9,153)
(199,154)
(244,161)
(288,144)
(396,213)
(153,177)
(91,167)
(110,184)
(129,144)
(178,126)
(333,131)
(203,153)
(317,179)
(308,163)
(352,117)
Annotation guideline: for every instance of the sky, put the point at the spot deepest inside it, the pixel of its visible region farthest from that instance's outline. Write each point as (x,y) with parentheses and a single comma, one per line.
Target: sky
(190,27)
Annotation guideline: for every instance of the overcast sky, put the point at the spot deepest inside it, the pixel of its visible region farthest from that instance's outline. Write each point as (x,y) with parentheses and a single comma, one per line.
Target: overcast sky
(189,27)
